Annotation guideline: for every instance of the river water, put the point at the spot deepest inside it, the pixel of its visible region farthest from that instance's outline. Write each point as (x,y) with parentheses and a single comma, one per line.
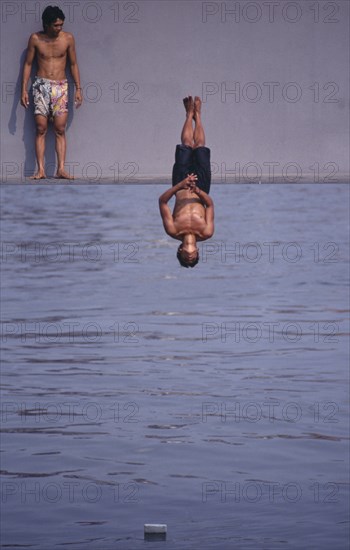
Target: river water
(213,399)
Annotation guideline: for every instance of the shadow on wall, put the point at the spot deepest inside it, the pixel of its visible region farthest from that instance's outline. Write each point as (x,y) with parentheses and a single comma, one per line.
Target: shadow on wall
(29,165)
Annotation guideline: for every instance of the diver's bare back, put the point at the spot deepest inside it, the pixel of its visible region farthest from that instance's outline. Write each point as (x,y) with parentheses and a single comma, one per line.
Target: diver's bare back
(189,215)
(52,54)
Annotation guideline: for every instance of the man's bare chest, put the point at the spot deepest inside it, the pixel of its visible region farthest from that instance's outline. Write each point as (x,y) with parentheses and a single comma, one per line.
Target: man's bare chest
(50,50)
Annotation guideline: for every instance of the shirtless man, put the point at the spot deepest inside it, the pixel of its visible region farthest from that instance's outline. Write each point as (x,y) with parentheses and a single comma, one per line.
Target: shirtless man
(50,87)
(193,217)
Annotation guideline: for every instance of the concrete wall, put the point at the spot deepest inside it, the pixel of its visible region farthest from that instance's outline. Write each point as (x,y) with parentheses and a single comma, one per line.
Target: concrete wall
(273,76)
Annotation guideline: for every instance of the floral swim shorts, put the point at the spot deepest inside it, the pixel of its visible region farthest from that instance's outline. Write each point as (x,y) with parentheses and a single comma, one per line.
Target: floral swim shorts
(50,97)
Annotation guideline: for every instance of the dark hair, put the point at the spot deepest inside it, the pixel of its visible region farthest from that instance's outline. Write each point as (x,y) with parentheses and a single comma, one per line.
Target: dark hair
(50,14)
(185,263)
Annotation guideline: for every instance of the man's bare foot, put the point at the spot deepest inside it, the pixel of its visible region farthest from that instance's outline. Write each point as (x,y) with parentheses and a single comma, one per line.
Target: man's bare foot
(197,106)
(62,174)
(189,105)
(40,175)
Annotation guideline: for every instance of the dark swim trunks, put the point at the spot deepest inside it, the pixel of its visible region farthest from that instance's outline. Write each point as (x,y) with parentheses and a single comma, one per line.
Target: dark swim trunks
(196,161)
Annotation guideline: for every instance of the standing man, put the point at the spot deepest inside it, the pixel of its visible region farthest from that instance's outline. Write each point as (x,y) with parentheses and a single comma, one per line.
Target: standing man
(192,219)
(51,47)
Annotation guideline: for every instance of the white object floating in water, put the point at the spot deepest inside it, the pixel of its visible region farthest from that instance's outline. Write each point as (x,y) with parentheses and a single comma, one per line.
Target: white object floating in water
(155,528)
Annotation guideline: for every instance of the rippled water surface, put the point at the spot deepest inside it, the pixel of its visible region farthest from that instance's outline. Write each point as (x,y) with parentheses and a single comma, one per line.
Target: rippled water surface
(134,391)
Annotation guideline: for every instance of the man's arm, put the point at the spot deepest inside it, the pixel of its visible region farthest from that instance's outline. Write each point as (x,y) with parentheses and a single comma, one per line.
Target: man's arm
(27,67)
(72,56)
(167,218)
(165,211)
(209,218)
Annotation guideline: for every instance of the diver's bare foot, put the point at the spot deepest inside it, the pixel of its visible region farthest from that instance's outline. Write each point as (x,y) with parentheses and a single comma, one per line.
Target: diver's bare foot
(197,106)
(189,105)
(62,174)
(40,175)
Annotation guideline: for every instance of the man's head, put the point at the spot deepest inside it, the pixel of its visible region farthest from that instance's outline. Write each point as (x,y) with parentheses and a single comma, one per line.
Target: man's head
(188,255)
(53,19)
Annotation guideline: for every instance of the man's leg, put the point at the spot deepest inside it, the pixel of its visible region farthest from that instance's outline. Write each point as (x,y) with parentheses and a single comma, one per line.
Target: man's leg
(41,130)
(187,130)
(184,152)
(201,153)
(60,122)
(199,135)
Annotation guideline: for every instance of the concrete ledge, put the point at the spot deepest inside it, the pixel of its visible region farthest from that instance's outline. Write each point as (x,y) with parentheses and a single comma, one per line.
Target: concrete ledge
(166,181)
